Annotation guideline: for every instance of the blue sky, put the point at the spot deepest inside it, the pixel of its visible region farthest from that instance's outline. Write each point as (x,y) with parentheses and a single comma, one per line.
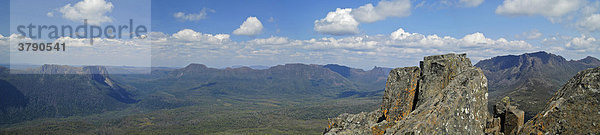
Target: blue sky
(360,34)
(295,19)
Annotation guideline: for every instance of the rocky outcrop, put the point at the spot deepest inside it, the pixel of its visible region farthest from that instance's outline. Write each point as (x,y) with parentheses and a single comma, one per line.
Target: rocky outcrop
(445,95)
(507,119)
(574,109)
(438,72)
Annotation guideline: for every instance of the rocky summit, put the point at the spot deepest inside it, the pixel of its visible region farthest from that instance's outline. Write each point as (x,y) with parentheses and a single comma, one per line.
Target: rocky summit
(574,109)
(445,95)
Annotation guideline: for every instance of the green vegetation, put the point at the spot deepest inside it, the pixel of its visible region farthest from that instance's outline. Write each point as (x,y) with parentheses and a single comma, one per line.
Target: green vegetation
(221,117)
(285,99)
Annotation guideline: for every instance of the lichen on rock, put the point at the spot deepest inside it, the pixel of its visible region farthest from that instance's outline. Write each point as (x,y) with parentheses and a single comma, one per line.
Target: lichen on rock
(445,95)
(574,109)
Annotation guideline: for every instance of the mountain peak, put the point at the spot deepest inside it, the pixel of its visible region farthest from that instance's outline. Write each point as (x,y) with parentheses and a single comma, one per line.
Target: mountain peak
(196,66)
(524,61)
(95,70)
(544,56)
(539,53)
(590,60)
(57,69)
(342,70)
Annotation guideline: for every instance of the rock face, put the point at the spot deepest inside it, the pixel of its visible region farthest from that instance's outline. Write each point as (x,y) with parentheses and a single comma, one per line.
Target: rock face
(574,109)
(400,93)
(439,70)
(507,118)
(445,95)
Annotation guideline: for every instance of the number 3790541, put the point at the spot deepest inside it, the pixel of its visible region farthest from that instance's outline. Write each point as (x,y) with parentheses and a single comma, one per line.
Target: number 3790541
(41,47)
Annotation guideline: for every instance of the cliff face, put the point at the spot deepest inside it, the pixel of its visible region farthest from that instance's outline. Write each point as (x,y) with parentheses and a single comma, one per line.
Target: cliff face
(574,109)
(445,95)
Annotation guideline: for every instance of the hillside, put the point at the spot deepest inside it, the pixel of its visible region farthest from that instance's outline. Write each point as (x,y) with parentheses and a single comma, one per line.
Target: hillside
(530,79)
(60,91)
(222,97)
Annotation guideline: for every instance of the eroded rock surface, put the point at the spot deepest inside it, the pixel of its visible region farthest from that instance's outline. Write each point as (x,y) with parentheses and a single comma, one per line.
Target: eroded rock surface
(400,93)
(507,119)
(574,109)
(449,97)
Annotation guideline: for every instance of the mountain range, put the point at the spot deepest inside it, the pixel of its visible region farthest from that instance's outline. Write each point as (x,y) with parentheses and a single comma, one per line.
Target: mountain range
(530,79)
(61,91)
(260,96)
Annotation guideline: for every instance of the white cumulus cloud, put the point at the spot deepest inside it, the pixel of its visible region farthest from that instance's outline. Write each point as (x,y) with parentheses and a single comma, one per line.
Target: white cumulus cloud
(369,13)
(339,22)
(270,41)
(345,21)
(194,17)
(400,34)
(471,3)
(547,8)
(590,23)
(188,35)
(187,46)
(349,43)
(533,34)
(582,42)
(92,10)
(252,26)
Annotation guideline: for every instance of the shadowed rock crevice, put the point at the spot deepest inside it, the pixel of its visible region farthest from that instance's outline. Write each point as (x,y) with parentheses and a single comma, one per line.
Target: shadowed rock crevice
(507,119)
(416,99)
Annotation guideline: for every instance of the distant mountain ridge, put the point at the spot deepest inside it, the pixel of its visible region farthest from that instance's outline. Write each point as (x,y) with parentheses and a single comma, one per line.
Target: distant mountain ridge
(198,96)
(289,82)
(531,78)
(315,74)
(60,91)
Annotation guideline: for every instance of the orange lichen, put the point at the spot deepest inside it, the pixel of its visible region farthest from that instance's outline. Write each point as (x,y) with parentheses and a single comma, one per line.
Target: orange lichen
(542,124)
(377,131)
(329,123)
(380,130)
(385,113)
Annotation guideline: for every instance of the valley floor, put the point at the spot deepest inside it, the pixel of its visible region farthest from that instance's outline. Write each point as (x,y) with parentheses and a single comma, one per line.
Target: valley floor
(221,117)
